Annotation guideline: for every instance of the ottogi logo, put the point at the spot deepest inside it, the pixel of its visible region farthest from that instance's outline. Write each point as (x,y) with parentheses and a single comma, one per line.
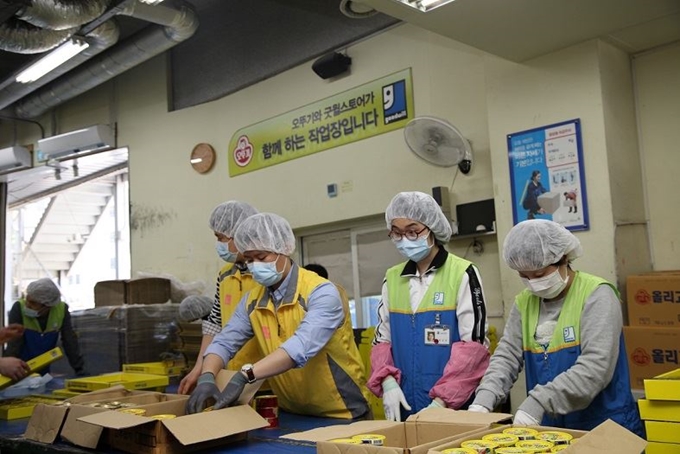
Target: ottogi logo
(643,297)
(569,334)
(243,152)
(394,102)
(640,357)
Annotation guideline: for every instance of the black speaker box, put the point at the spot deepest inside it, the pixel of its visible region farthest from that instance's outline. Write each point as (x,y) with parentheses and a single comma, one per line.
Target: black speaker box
(331,65)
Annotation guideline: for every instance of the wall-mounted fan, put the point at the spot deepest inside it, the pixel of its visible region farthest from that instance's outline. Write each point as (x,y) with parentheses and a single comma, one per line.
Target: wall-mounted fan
(438,142)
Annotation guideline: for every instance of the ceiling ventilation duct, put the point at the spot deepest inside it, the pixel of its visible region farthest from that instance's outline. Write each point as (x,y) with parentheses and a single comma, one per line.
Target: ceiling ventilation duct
(99,39)
(175,25)
(47,23)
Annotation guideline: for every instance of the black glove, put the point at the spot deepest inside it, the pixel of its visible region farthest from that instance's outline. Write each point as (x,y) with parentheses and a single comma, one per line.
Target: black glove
(206,390)
(232,391)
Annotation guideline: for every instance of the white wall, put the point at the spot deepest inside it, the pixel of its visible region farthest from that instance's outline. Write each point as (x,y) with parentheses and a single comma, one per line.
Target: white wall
(657,75)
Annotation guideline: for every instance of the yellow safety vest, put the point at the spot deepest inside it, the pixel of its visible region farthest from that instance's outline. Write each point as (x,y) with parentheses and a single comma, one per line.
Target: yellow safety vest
(233,285)
(331,384)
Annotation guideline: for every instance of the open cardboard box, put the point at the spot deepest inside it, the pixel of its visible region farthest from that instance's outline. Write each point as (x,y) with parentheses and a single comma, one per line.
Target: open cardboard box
(420,432)
(608,437)
(185,433)
(48,421)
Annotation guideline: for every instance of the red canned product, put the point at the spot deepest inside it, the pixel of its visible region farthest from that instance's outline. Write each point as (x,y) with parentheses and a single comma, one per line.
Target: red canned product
(273,423)
(266,401)
(268,412)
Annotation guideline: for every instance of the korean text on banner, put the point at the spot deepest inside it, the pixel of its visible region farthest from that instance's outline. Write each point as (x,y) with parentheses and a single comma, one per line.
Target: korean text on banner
(368,110)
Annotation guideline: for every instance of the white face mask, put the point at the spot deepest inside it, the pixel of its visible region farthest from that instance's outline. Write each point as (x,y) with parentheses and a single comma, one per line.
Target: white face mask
(549,286)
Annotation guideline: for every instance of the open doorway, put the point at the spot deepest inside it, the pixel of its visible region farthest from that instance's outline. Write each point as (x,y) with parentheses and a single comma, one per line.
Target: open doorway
(68,222)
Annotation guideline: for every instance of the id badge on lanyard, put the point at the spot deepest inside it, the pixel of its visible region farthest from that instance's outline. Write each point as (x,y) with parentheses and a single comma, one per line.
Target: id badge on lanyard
(437,334)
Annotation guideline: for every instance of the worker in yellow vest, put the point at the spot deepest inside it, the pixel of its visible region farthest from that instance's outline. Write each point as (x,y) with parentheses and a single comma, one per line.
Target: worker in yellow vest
(297,318)
(46,320)
(233,281)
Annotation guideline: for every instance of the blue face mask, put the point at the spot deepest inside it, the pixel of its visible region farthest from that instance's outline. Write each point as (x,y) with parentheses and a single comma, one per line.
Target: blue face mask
(415,250)
(32,313)
(224,252)
(265,273)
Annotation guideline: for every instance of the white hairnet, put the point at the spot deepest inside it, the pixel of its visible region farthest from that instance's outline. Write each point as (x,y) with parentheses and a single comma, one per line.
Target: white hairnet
(420,207)
(537,243)
(194,307)
(227,216)
(43,291)
(265,232)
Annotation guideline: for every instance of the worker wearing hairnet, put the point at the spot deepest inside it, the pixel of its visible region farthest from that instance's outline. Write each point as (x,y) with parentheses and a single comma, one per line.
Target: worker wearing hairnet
(565,328)
(297,318)
(233,281)
(194,307)
(430,346)
(45,318)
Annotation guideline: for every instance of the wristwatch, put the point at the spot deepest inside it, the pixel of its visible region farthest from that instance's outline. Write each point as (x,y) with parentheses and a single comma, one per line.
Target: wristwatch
(248,370)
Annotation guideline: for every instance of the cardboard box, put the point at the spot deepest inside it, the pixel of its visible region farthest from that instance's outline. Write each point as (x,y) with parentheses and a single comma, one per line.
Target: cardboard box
(420,432)
(663,432)
(36,364)
(654,299)
(607,437)
(662,448)
(185,433)
(651,352)
(49,421)
(549,202)
(150,290)
(659,410)
(664,387)
(128,380)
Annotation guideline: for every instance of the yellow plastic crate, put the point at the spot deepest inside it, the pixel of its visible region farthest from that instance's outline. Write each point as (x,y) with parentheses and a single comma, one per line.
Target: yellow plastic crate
(22,407)
(663,387)
(169,368)
(663,432)
(66,393)
(659,410)
(662,448)
(35,364)
(128,380)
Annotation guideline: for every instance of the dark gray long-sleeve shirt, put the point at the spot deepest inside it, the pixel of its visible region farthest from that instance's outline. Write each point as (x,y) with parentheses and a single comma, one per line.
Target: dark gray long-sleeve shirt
(69,340)
(574,389)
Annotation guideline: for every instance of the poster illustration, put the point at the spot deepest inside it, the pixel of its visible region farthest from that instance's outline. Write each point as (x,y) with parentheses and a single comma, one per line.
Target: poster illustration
(546,175)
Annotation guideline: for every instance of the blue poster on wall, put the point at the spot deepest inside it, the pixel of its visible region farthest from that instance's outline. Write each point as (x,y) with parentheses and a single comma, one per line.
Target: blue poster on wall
(546,175)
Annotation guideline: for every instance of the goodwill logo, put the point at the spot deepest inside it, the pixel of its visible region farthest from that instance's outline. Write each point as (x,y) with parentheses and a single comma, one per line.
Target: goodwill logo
(394,102)
(243,152)
(569,334)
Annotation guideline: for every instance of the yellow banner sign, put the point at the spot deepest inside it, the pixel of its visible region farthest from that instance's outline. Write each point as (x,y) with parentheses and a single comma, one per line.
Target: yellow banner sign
(374,108)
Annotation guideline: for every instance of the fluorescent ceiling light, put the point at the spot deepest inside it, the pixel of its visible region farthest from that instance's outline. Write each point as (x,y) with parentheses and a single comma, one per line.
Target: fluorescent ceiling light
(151,2)
(424,5)
(56,58)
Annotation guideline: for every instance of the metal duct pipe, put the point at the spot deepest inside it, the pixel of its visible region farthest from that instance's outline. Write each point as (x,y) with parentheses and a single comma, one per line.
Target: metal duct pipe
(178,24)
(27,39)
(62,14)
(99,39)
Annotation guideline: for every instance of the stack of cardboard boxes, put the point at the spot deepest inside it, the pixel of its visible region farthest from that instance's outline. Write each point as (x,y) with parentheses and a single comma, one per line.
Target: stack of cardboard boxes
(660,411)
(653,335)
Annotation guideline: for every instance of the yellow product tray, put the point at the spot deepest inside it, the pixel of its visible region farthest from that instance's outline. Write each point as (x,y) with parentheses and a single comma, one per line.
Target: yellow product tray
(663,387)
(157,368)
(659,410)
(66,393)
(128,380)
(664,432)
(22,407)
(35,364)
(662,448)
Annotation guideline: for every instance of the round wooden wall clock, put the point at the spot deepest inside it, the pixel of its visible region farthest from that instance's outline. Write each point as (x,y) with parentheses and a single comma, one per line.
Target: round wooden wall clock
(202,157)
